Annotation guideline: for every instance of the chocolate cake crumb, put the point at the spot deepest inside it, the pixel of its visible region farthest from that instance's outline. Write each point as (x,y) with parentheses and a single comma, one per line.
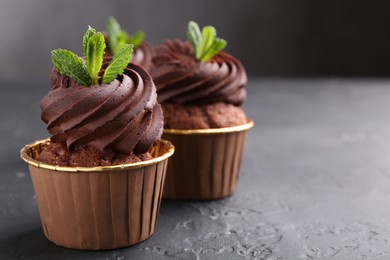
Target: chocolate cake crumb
(55,153)
(86,156)
(145,156)
(202,116)
(124,159)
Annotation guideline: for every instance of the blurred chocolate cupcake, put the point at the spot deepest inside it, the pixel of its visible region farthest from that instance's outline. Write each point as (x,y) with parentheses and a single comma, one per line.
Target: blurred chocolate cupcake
(201,89)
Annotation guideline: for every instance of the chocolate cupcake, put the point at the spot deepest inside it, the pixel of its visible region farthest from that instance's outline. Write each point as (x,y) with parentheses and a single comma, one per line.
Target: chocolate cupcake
(116,38)
(98,179)
(201,89)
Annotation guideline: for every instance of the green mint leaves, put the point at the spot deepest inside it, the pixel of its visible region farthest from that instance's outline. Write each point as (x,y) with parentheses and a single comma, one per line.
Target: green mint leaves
(68,64)
(94,55)
(115,35)
(118,63)
(86,72)
(206,43)
(137,38)
(117,38)
(87,35)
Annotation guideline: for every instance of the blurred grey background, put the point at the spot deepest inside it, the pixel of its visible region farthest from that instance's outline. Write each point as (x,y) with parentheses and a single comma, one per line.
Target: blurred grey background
(272,38)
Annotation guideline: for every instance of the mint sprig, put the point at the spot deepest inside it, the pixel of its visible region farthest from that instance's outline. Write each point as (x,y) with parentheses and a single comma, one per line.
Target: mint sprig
(94,55)
(206,43)
(87,35)
(118,38)
(118,63)
(136,39)
(86,71)
(68,64)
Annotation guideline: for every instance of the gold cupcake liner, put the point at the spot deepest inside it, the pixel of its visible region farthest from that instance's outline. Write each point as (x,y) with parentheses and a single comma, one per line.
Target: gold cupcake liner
(30,152)
(206,163)
(95,208)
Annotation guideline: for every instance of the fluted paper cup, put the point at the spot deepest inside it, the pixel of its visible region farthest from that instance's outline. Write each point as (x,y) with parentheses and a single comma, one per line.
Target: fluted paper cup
(206,163)
(103,207)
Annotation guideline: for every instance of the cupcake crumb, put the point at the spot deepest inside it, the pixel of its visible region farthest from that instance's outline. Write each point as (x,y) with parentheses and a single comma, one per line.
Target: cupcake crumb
(56,153)
(202,116)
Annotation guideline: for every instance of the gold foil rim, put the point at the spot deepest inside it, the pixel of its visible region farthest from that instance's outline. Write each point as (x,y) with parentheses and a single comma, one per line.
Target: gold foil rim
(249,124)
(163,149)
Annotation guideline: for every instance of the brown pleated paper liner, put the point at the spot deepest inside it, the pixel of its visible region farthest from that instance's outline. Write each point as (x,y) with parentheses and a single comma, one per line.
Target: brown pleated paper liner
(206,163)
(99,207)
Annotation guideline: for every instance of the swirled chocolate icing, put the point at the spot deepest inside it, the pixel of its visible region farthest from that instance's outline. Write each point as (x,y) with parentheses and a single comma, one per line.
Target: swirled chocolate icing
(122,116)
(142,55)
(180,78)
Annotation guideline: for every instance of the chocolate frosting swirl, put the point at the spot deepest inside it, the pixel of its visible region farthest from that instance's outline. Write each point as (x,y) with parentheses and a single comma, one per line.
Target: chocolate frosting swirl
(143,55)
(180,78)
(122,116)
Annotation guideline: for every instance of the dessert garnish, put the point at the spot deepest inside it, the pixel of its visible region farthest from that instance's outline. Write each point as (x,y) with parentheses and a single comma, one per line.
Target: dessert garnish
(117,37)
(206,43)
(86,70)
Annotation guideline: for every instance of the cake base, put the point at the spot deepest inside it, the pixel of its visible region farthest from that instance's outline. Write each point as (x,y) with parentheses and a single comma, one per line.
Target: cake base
(202,116)
(86,156)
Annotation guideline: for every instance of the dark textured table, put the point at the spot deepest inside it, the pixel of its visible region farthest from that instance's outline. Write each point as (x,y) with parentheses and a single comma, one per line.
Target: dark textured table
(314,184)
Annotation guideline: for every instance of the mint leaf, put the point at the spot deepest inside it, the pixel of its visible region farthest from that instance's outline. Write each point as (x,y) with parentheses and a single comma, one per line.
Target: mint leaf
(94,55)
(217,46)
(113,26)
(84,71)
(206,44)
(117,38)
(194,36)
(136,39)
(118,63)
(68,64)
(121,39)
(208,36)
(88,34)
(113,30)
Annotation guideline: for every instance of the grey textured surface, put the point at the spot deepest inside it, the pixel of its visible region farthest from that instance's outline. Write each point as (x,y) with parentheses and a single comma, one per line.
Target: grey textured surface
(314,182)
